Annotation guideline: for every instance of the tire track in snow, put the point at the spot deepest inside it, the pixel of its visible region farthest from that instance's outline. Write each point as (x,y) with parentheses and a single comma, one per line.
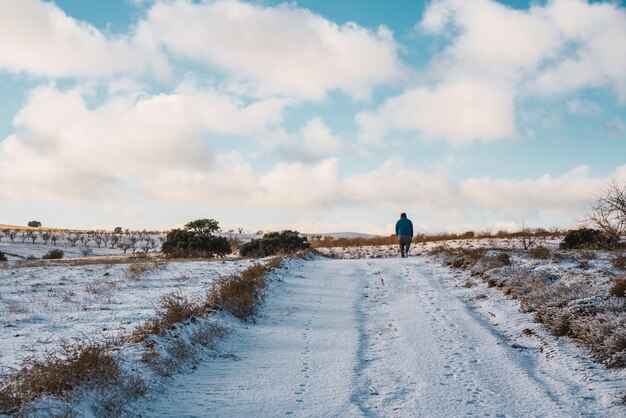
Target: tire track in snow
(374,338)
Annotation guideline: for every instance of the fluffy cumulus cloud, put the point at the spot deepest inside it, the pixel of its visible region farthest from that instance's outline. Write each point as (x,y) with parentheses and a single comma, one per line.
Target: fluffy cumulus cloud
(282,50)
(496,54)
(61,148)
(313,142)
(39,38)
(459,111)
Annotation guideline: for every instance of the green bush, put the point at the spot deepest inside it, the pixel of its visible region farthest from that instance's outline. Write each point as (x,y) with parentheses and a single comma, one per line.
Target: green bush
(587,238)
(284,242)
(191,243)
(34,224)
(53,255)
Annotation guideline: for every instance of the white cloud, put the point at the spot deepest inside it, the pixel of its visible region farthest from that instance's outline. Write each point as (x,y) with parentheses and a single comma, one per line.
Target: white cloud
(276,50)
(594,54)
(61,149)
(529,198)
(39,38)
(497,54)
(318,138)
(458,112)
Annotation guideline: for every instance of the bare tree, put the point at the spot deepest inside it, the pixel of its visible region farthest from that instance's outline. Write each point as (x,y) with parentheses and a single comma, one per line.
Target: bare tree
(608,212)
(54,239)
(526,237)
(124,246)
(84,238)
(98,239)
(115,239)
(12,235)
(132,241)
(23,236)
(32,236)
(45,237)
(105,239)
(73,239)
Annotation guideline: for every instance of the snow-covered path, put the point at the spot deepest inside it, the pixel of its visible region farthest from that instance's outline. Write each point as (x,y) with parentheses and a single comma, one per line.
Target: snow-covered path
(373,338)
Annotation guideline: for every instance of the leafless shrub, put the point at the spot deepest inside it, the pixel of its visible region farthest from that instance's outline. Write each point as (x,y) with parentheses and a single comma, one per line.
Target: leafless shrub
(175,308)
(608,213)
(140,266)
(618,288)
(57,374)
(207,336)
(240,294)
(619,262)
(100,286)
(587,255)
(541,253)
(172,309)
(605,334)
(115,400)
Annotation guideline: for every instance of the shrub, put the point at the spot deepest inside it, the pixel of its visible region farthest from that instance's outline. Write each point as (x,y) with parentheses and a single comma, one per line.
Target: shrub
(619,262)
(3,257)
(619,287)
(587,238)
(503,259)
(284,242)
(240,294)
(57,374)
(541,253)
(184,244)
(34,224)
(587,255)
(53,254)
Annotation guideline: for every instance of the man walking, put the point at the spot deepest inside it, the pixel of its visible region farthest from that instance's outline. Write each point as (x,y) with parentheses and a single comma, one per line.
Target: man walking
(404,231)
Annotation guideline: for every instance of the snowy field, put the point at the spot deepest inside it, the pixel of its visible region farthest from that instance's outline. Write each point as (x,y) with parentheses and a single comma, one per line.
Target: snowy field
(42,306)
(363,333)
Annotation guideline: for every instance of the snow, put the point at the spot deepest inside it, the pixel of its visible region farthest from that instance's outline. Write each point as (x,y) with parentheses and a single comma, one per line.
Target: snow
(388,337)
(362,334)
(42,306)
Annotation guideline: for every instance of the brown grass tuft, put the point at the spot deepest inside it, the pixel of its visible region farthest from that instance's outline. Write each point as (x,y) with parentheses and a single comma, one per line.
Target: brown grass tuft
(541,253)
(619,287)
(239,295)
(57,374)
(619,262)
(587,255)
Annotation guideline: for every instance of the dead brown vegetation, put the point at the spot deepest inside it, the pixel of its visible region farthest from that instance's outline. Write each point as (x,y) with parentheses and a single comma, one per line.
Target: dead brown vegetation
(534,234)
(618,287)
(241,294)
(58,373)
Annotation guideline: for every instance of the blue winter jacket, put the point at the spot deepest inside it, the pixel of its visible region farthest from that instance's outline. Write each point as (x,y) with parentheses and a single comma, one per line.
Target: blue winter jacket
(404,227)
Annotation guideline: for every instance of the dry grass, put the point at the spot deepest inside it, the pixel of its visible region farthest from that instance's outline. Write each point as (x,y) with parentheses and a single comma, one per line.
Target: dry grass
(172,309)
(240,295)
(57,374)
(587,255)
(618,287)
(541,253)
(619,262)
(328,242)
(140,266)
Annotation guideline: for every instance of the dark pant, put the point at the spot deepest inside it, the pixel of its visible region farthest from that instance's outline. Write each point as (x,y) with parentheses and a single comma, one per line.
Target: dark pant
(405,244)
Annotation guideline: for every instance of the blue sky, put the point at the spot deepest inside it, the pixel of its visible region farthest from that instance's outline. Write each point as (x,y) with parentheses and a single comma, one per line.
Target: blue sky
(315,115)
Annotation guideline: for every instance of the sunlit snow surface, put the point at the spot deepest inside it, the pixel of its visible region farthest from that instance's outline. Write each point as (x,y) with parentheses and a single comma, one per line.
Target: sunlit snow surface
(367,335)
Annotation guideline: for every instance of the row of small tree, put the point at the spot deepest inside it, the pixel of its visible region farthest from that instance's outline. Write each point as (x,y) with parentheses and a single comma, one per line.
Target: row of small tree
(143,241)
